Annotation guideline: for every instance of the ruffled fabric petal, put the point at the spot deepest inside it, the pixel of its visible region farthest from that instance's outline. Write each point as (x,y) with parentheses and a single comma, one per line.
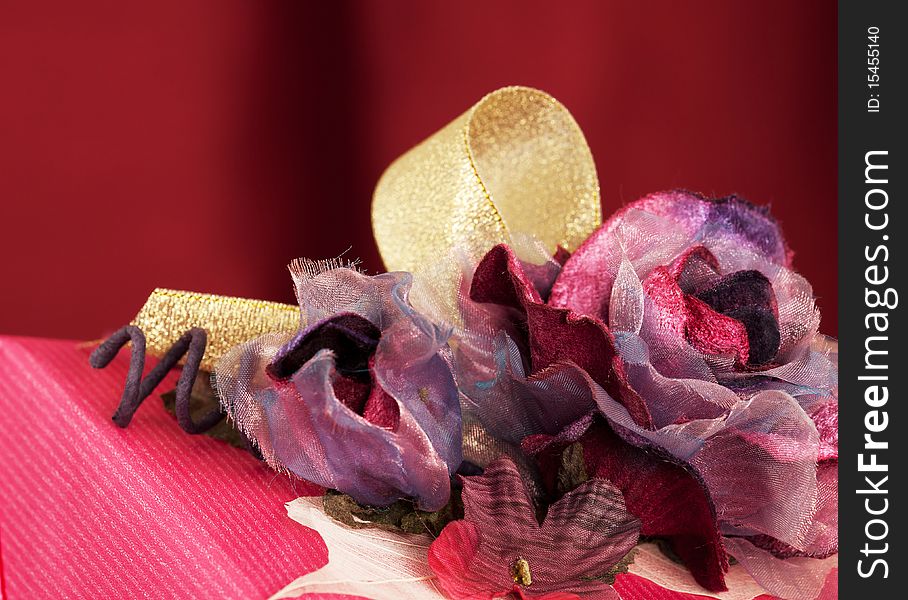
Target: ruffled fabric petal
(758,462)
(513,405)
(362,401)
(543,344)
(671,400)
(789,579)
(822,539)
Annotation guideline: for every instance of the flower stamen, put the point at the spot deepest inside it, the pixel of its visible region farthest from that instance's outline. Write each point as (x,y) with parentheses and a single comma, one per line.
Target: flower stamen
(520,572)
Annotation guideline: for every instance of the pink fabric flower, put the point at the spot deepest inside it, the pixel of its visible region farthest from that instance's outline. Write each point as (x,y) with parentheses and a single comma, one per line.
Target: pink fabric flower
(501,548)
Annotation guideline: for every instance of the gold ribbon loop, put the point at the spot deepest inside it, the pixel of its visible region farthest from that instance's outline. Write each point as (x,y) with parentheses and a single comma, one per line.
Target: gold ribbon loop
(514,163)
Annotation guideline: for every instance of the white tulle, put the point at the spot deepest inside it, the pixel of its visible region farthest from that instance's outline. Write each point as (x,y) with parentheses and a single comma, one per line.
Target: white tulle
(372,563)
(650,563)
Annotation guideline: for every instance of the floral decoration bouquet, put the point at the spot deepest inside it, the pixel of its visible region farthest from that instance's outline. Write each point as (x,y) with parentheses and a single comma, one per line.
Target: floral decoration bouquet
(531,402)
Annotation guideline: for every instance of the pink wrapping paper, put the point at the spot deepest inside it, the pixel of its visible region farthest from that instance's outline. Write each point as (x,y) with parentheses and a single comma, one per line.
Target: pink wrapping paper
(89,510)
(92,510)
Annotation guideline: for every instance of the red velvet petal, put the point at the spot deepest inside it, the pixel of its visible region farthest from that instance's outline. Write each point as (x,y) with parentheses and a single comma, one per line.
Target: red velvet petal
(559,335)
(713,333)
(352,391)
(556,334)
(499,279)
(561,255)
(666,294)
(704,328)
(670,500)
(381,409)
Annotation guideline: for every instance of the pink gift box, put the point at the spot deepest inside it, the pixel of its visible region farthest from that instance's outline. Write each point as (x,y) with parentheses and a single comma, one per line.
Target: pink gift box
(89,510)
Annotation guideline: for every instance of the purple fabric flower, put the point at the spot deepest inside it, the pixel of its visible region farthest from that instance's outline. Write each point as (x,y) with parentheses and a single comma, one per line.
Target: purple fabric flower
(361,399)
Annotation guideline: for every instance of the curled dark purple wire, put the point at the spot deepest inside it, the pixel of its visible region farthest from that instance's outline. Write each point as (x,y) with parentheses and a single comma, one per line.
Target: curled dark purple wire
(136,389)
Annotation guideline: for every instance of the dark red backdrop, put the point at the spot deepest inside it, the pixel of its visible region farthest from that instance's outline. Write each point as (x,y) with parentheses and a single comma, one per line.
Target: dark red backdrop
(202,145)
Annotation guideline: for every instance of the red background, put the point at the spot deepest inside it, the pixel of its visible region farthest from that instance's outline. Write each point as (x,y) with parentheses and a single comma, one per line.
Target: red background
(202,145)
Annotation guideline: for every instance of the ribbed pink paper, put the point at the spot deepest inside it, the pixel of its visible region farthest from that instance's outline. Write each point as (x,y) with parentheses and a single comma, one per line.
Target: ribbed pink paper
(89,510)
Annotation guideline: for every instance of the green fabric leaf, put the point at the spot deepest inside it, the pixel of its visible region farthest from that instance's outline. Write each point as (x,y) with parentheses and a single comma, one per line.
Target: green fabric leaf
(399,516)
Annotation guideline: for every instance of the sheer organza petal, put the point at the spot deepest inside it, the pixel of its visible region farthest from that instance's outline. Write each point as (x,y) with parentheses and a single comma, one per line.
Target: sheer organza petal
(788,579)
(822,537)
(513,405)
(518,355)
(671,400)
(301,426)
(759,462)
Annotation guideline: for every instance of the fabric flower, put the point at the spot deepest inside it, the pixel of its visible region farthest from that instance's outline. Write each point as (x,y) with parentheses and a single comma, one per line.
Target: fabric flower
(705,359)
(514,347)
(501,548)
(361,399)
(723,303)
(667,496)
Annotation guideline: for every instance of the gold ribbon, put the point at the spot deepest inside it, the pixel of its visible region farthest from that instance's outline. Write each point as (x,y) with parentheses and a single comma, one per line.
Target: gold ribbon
(168,314)
(514,163)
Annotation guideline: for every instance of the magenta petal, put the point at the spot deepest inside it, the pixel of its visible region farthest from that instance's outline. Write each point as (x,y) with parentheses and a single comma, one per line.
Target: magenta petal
(585,281)
(500,279)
